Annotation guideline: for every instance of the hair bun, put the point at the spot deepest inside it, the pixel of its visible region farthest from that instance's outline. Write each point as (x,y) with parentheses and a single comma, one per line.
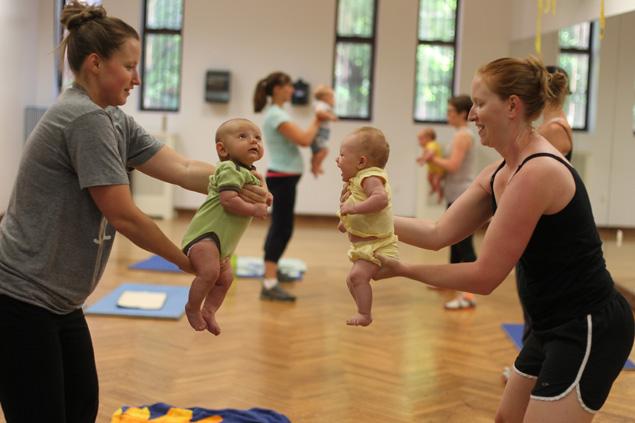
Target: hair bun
(76,14)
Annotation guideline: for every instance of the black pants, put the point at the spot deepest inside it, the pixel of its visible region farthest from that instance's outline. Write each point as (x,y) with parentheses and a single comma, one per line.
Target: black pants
(283,189)
(462,251)
(47,365)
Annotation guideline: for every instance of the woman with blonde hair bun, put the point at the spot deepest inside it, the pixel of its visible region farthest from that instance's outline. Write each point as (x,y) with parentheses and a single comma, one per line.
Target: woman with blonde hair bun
(540,217)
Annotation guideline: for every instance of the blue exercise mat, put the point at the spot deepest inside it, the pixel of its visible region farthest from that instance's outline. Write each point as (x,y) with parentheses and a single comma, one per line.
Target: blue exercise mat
(515,333)
(173,308)
(244,267)
(156,263)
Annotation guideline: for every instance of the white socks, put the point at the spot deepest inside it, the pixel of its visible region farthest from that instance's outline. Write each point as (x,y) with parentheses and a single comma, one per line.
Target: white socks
(269,282)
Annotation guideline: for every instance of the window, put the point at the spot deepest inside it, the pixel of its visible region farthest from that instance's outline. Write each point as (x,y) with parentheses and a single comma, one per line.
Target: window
(575,58)
(161,61)
(436,54)
(354,58)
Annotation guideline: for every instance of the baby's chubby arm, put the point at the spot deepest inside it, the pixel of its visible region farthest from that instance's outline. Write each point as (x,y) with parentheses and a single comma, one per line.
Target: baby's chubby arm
(341,227)
(377,198)
(233,203)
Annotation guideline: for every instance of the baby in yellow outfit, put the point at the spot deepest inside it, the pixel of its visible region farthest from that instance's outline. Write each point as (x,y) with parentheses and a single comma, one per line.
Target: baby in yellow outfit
(366,214)
(430,146)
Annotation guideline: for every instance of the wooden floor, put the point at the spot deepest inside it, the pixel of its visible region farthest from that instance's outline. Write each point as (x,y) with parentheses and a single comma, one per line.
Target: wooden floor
(415,363)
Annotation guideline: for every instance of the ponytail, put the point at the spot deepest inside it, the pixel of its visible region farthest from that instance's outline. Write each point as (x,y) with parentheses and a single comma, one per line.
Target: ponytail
(260,95)
(264,88)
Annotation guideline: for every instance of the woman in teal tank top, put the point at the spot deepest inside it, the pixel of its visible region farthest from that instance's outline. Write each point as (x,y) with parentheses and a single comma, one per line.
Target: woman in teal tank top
(283,140)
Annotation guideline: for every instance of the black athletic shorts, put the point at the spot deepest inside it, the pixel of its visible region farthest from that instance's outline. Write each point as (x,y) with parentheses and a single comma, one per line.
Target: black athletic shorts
(585,354)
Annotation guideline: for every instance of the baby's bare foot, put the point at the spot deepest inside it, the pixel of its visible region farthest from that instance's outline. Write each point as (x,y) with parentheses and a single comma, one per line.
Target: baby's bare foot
(360,320)
(211,323)
(194,317)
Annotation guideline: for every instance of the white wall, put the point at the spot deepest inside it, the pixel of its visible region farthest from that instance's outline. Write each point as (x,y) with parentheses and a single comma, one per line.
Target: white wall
(568,12)
(19,31)
(621,186)
(604,153)
(252,39)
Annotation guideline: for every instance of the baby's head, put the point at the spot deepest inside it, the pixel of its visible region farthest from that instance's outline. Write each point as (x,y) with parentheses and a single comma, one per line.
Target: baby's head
(239,140)
(426,135)
(364,148)
(324,93)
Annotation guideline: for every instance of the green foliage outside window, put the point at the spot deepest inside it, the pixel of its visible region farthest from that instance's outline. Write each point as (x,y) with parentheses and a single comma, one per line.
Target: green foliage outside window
(354,58)
(162,72)
(577,66)
(576,36)
(575,58)
(355,18)
(352,80)
(435,66)
(437,20)
(435,59)
(164,14)
(161,81)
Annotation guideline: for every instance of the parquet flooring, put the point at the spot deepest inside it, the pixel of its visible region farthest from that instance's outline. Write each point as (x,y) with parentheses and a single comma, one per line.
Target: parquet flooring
(415,363)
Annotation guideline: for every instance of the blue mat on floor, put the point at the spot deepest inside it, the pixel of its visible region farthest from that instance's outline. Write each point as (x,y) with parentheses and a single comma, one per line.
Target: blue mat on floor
(173,308)
(515,333)
(156,263)
(245,267)
(228,415)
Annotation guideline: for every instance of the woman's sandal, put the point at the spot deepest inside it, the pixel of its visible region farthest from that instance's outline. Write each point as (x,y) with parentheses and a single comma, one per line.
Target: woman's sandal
(459,303)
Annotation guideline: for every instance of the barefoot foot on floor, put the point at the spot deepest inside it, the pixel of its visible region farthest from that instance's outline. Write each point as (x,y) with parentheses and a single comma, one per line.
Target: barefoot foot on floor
(360,320)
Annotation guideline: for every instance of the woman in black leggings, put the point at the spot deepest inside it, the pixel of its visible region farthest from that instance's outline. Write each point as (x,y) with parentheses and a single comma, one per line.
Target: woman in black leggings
(283,139)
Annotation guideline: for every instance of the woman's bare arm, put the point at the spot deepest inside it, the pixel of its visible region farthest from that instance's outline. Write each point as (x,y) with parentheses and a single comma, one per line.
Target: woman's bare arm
(461,143)
(468,213)
(541,188)
(169,166)
(116,204)
(297,135)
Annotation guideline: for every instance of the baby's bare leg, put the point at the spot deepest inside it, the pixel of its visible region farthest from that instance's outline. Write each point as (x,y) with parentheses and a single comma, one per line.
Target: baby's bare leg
(205,261)
(216,296)
(436,183)
(359,283)
(316,161)
(431,182)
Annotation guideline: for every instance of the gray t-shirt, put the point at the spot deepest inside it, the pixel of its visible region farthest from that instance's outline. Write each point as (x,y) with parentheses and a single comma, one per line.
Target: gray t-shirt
(457,182)
(54,241)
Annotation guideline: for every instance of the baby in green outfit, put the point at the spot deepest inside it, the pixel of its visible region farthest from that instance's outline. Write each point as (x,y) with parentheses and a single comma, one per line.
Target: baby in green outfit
(217,226)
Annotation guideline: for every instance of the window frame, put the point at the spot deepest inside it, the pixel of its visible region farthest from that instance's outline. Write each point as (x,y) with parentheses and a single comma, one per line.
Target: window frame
(161,31)
(452,44)
(372,41)
(588,52)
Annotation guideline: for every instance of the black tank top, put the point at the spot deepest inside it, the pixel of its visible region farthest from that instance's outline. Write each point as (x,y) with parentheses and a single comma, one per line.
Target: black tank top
(562,270)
